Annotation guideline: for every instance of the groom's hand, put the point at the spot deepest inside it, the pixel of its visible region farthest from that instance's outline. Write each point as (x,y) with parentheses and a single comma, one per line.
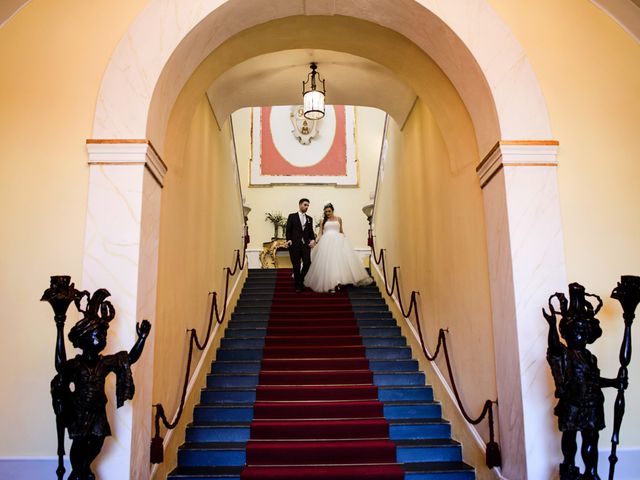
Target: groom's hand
(289,242)
(312,243)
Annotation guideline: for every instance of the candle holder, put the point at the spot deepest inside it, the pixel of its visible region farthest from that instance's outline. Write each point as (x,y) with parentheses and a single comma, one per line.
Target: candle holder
(580,407)
(60,294)
(627,292)
(77,390)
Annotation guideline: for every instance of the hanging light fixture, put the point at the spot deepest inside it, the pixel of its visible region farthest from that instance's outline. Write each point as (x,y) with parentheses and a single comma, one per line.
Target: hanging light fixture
(313,99)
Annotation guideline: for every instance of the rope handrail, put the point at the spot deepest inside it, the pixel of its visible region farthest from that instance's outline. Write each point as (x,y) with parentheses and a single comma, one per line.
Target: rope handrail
(157,448)
(493,456)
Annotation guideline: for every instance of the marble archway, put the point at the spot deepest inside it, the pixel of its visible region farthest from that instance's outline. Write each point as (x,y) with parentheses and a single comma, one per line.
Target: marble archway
(491,74)
(482,59)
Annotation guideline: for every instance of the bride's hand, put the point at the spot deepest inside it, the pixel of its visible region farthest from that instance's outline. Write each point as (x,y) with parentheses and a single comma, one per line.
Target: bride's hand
(312,243)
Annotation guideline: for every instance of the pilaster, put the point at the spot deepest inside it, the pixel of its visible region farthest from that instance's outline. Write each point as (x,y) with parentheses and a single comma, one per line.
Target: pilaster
(121,254)
(526,265)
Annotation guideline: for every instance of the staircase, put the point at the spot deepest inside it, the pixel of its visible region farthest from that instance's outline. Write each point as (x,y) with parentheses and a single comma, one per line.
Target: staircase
(316,386)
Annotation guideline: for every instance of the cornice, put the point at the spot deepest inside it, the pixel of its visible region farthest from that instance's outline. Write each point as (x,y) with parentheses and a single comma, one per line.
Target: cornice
(127,152)
(517,153)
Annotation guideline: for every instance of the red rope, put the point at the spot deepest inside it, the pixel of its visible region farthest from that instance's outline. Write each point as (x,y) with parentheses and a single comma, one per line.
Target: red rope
(157,449)
(493,452)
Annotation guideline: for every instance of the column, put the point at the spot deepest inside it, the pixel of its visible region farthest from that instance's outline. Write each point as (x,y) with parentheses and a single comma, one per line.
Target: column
(121,255)
(526,266)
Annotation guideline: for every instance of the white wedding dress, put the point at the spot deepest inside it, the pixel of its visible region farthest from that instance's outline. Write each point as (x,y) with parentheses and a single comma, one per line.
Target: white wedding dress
(334,262)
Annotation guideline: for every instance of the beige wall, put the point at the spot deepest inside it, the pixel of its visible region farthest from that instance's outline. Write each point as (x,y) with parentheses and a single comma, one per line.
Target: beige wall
(429,218)
(348,201)
(51,65)
(200,227)
(589,70)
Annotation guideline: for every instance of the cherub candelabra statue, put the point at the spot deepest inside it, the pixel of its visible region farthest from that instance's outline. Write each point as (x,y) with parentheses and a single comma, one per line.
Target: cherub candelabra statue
(77,390)
(580,406)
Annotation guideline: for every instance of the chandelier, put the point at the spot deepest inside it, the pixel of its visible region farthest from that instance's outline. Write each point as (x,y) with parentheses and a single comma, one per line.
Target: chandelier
(313,99)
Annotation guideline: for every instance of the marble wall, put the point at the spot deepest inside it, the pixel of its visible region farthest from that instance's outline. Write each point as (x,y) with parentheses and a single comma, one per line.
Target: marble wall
(121,253)
(482,58)
(526,266)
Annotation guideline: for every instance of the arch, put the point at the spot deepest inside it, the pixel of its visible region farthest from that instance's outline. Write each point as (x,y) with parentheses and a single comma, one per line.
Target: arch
(482,59)
(274,79)
(376,53)
(175,49)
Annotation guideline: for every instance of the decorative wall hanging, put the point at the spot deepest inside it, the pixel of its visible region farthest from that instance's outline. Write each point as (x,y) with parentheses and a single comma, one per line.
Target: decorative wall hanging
(288,148)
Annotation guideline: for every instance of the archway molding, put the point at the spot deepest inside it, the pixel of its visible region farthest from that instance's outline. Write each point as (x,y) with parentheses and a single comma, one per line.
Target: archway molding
(168,46)
(481,58)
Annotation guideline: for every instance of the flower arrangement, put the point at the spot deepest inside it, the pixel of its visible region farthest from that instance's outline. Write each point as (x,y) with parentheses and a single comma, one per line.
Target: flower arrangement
(278,221)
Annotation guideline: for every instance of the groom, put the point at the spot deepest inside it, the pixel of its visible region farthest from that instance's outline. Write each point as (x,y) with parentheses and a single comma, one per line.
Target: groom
(300,238)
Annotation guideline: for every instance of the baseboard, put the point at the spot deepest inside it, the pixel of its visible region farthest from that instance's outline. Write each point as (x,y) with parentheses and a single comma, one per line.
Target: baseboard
(30,468)
(433,365)
(253,257)
(196,382)
(37,468)
(628,466)
(363,253)
(474,448)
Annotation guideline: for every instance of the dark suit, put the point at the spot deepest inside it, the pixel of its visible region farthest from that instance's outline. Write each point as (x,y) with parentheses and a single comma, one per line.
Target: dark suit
(299,250)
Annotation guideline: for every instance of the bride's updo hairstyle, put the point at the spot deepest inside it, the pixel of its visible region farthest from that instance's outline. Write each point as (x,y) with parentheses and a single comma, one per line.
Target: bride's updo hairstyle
(328,205)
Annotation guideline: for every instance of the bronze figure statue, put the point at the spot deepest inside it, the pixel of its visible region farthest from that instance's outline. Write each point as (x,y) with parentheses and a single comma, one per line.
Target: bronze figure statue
(580,406)
(77,390)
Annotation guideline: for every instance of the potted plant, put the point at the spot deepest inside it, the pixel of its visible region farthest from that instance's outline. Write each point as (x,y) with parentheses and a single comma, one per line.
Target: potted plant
(278,220)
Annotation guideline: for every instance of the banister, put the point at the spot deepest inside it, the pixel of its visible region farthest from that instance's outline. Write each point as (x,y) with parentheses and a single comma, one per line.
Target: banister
(493,456)
(157,448)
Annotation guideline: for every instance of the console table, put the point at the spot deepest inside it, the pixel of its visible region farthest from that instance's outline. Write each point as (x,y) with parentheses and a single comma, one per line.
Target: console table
(269,250)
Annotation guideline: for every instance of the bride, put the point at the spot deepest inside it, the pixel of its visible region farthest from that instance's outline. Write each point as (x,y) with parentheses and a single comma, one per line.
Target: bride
(333,260)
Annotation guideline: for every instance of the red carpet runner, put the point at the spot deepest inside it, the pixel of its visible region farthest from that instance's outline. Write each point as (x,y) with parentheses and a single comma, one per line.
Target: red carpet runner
(317,414)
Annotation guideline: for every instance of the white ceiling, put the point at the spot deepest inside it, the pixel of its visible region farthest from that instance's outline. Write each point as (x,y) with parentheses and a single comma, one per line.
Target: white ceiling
(276,79)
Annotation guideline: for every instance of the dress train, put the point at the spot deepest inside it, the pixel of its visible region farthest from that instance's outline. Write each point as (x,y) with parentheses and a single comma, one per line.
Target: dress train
(334,262)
